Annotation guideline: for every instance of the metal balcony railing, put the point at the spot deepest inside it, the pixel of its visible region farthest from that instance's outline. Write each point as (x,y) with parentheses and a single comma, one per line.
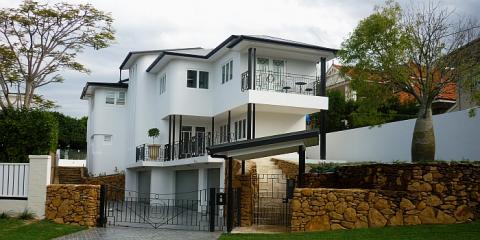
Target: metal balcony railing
(281,82)
(194,146)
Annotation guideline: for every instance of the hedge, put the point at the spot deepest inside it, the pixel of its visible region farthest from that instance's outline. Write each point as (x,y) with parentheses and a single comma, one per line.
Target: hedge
(26,132)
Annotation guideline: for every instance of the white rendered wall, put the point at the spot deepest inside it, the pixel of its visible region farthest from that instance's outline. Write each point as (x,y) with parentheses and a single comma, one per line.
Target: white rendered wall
(457,137)
(268,123)
(107,119)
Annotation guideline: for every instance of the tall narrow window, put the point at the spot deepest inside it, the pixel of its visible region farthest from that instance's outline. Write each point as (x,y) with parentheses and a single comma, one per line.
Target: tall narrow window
(163,83)
(121,98)
(203,80)
(191,78)
(110,99)
(231,70)
(227,71)
(236,130)
(223,74)
(244,126)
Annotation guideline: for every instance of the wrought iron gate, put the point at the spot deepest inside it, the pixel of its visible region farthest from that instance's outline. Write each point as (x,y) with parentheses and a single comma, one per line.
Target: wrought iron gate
(134,209)
(271,206)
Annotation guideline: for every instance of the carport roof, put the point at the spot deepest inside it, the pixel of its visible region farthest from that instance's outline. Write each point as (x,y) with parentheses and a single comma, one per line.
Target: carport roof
(265,146)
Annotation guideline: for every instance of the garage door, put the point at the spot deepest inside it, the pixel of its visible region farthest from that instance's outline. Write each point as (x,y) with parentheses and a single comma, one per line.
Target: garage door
(186,184)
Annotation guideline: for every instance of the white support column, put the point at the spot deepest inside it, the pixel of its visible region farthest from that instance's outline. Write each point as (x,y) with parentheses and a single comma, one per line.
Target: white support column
(39,178)
(203,191)
(131,186)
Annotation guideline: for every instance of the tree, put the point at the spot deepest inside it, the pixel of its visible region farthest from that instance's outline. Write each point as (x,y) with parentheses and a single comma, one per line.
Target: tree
(153,133)
(72,132)
(39,40)
(418,52)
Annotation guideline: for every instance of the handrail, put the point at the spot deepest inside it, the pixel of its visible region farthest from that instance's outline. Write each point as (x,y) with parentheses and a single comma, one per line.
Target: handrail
(281,82)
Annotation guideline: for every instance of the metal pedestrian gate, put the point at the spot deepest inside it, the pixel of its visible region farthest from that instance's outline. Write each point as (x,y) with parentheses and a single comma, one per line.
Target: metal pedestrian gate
(270,202)
(172,211)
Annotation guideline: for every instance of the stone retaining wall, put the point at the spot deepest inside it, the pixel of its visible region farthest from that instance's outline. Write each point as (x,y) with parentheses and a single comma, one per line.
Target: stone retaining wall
(405,194)
(322,209)
(115,185)
(73,204)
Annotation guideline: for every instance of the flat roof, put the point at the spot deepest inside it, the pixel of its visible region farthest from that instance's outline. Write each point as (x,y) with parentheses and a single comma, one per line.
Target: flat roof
(102,84)
(265,146)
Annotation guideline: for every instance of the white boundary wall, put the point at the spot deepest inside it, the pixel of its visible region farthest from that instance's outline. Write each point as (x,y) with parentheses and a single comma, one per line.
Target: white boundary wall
(37,179)
(457,137)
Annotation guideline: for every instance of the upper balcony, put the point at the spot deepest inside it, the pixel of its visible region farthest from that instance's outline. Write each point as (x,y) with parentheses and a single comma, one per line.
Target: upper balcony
(281,82)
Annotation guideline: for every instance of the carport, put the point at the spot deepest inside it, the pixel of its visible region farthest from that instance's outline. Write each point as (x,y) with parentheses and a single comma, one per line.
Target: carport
(263,147)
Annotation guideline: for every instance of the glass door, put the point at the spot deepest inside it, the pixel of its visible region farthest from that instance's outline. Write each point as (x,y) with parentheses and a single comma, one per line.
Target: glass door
(186,143)
(199,141)
(262,74)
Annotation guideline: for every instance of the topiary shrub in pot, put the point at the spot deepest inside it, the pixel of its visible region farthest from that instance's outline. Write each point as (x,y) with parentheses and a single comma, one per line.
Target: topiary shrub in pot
(153,149)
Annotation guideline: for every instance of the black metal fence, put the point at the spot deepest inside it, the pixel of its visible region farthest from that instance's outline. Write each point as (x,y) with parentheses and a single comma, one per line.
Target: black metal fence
(281,82)
(173,211)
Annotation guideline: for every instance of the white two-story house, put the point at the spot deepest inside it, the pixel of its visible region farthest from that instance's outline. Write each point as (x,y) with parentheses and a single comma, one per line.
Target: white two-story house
(246,87)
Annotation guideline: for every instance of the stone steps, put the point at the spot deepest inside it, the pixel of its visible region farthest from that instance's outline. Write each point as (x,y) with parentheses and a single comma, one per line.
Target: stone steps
(70,175)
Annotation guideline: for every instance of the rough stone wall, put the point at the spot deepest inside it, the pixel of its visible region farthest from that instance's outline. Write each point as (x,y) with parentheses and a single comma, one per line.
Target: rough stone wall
(247,188)
(289,169)
(73,204)
(115,185)
(323,209)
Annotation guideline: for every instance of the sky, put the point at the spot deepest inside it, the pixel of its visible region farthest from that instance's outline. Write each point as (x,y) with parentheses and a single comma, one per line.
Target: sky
(160,24)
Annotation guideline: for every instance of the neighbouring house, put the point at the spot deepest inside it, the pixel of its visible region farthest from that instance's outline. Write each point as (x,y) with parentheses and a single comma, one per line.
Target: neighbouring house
(244,88)
(341,82)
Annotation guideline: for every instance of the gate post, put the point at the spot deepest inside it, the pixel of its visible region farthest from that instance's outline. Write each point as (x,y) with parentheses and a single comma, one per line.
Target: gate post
(212,208)
(102,220)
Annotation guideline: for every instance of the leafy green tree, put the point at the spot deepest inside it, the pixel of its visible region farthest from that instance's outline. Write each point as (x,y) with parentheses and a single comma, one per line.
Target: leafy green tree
(37,41)
(72,132)
(418,52)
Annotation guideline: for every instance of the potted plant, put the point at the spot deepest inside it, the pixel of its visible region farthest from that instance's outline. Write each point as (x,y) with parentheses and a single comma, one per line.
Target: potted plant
(153,149)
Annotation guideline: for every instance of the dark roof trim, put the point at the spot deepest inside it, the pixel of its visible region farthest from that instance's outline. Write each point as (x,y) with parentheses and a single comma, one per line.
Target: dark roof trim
(102,84)
(291,44)
(293,136)
(236,40)
(150,51)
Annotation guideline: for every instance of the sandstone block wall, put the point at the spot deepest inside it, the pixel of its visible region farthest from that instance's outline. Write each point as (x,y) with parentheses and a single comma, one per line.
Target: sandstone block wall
(406,194)
(115,185)
(73,204)
(322,209)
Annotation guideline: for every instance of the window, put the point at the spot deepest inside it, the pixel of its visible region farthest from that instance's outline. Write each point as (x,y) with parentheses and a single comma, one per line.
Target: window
(240,129)
(115,97)
(224,134)
(194,75)
(107,138)
(203,80)
(227,71)
(121,98)
(110,99)
(192,79)
(163,83)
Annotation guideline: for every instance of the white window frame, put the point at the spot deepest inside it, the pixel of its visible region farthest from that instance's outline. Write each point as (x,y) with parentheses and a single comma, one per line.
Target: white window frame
(227,71)
(197,80)
(110,97)
(115,97)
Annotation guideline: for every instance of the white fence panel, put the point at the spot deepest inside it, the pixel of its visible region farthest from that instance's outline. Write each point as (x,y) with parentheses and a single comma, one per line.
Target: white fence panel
(14,180)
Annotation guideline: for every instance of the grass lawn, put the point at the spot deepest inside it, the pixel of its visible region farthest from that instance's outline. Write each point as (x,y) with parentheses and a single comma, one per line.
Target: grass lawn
(420,232)
(18,229)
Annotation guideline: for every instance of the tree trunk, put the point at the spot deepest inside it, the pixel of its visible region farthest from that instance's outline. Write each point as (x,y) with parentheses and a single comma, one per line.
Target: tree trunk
(423,141)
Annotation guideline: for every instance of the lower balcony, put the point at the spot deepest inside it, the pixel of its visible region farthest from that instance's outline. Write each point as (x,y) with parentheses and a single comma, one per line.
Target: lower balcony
(281,82)
(191,147)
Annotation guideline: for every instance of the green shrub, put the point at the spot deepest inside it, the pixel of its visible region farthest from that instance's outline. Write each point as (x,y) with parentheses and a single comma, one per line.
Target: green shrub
(26,215)
(26,132)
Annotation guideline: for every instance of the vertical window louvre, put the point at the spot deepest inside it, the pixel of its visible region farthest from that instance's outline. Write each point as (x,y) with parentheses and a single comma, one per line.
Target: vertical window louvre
(223,74)
(121,98)
(163,83)
(203,80)
(191,79)
(110,99)
(231,70)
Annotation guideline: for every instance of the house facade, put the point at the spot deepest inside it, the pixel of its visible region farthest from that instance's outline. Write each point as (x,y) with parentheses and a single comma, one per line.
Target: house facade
(246,87)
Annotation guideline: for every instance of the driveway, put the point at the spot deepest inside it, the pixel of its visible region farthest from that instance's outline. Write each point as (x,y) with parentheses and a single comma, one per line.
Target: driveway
(139,233)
